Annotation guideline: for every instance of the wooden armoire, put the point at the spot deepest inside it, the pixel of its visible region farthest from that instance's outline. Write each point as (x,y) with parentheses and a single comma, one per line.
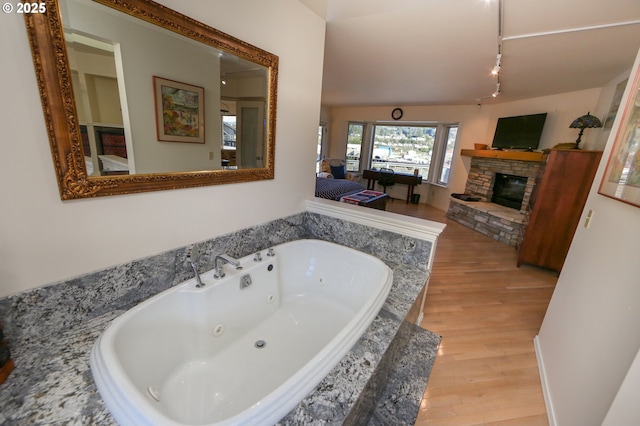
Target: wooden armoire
(562,186)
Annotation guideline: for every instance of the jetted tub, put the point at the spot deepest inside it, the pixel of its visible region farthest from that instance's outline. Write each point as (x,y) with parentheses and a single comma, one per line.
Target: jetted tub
(222,354)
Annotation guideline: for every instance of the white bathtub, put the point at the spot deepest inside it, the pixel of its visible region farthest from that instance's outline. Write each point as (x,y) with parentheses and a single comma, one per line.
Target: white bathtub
(223,355)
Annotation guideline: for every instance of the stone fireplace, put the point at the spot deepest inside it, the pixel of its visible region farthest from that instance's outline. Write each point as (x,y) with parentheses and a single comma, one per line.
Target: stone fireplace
(482,177)
(502,223)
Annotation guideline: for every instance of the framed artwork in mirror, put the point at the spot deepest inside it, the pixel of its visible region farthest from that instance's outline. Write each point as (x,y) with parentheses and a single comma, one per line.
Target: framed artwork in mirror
(621,180)
(179,111)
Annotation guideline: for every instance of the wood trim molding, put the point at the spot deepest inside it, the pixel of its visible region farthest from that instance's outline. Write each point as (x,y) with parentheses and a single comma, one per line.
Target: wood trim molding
(505,155)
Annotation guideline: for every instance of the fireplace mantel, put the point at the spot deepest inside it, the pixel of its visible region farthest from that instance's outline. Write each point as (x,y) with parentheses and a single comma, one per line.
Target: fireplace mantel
(505,155)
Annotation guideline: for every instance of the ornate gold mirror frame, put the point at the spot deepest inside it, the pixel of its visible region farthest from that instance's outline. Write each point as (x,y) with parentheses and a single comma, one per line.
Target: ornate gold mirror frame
(46,37)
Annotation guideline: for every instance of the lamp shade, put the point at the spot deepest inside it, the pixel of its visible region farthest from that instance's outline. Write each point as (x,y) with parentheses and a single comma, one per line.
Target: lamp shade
(586,121)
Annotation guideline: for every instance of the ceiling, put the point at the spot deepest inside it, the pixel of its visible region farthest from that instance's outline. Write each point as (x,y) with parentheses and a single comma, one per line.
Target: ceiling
(436,52)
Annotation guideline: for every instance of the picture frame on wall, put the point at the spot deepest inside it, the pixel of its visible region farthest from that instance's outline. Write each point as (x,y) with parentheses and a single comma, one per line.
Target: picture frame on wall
(179,111)
(621,180)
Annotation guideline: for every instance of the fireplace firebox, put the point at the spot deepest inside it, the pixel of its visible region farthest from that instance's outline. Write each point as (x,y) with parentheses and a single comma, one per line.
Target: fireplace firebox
(508,190)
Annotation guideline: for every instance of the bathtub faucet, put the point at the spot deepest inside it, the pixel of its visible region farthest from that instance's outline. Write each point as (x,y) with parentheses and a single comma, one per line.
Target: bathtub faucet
(199,282)
(192,255)
(219,262)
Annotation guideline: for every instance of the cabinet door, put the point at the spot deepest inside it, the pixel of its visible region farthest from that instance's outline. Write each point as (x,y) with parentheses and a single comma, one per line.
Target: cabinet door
(557,208)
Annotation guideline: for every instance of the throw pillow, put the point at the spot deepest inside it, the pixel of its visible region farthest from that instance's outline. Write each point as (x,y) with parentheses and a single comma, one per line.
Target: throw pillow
(337,172)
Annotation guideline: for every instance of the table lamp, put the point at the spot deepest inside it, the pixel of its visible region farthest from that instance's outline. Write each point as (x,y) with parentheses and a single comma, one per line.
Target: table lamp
(582,123)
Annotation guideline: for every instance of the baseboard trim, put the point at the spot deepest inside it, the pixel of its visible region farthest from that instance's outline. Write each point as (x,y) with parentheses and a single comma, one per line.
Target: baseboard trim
(545,384)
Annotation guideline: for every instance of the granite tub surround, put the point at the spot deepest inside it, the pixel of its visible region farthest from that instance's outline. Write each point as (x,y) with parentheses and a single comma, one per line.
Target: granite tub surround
(385,245)
(408,368)
(392,382)
(50,309)
(51,330)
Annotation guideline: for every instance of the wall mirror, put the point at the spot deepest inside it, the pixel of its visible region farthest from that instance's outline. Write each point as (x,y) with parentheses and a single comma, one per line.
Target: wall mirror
(138,97)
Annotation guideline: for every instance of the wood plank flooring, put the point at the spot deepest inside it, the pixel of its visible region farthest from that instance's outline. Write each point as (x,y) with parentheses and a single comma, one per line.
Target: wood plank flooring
(487,311)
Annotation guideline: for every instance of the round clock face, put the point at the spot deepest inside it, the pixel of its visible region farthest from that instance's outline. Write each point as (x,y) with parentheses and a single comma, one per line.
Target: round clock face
(396,114)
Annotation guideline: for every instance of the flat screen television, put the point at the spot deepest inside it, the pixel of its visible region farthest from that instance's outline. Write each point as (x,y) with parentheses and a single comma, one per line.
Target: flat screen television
(520,132)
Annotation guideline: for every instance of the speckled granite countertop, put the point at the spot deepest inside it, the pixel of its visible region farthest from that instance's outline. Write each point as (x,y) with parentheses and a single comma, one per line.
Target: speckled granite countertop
(51,332)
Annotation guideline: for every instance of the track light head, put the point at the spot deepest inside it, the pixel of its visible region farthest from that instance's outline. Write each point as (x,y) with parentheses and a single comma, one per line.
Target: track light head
(496,69)
(497,92)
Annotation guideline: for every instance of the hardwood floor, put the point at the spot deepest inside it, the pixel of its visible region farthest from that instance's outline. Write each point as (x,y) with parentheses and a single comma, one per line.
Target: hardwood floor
(487,311)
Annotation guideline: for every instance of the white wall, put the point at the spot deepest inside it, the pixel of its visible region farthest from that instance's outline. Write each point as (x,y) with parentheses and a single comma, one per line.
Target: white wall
(477,125)
(625,409)
(590,335)
(44,240)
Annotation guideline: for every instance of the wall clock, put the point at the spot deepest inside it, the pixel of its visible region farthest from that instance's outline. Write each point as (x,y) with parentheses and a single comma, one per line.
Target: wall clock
(396,114)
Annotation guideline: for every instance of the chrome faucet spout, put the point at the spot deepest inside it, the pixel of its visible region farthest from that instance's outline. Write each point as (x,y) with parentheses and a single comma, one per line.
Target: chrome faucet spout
(227,259)
(199,282)
(219,262)
(192,255)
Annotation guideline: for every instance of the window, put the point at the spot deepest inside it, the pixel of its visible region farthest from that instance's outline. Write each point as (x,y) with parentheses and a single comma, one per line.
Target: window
(228,132)
(427,148)
(355,137)
(403,148)
(447,157)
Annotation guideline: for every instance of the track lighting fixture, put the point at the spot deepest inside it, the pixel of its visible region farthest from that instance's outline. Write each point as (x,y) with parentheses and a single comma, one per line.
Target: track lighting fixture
(497,92)
(495,72)
(496,69)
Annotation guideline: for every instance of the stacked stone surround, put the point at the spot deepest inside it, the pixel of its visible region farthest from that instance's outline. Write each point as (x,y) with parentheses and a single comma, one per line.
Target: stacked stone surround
(483,171)
(490,219)
(498,222)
